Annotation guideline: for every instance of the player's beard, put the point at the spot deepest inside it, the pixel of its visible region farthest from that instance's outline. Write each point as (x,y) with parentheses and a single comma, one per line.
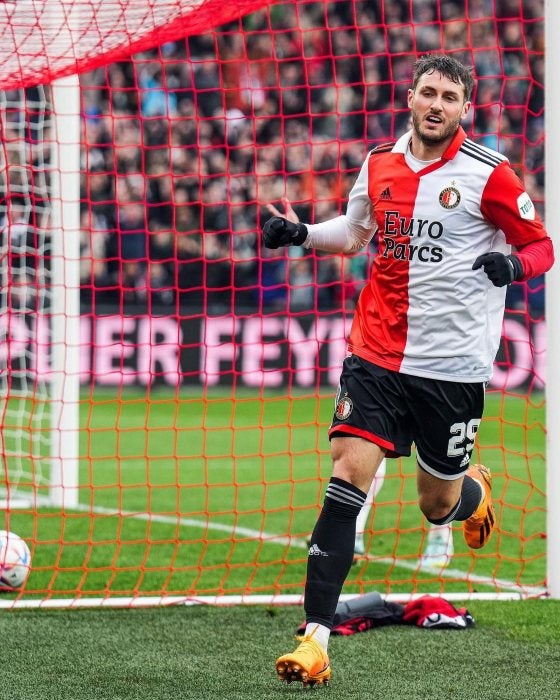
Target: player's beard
(432,139)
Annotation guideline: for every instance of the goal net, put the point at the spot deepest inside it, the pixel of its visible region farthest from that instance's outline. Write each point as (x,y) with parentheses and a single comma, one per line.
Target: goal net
(25,284)
(166,384)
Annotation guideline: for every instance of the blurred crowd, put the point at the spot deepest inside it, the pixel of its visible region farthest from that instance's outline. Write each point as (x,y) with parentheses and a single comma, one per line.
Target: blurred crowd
(186,144)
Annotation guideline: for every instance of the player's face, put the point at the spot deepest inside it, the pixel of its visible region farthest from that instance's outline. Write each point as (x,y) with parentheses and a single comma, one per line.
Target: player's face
(437,105)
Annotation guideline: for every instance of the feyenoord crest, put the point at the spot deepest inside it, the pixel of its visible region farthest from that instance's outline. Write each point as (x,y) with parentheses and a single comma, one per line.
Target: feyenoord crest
(344,407)
(449,198)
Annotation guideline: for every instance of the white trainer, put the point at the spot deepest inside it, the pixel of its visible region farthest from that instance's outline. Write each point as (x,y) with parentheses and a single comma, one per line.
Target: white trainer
(439,548)
(359,546)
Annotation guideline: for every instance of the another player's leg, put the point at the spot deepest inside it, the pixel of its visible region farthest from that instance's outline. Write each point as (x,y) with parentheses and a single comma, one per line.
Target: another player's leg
(439,548)
(361,521)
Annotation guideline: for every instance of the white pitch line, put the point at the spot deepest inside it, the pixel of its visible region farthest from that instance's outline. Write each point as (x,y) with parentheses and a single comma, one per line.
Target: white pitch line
(465,576)
(192,522)
(237,530)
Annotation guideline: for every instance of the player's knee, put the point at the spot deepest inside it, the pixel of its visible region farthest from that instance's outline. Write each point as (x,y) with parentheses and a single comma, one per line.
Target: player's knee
(355,460)
(437,511)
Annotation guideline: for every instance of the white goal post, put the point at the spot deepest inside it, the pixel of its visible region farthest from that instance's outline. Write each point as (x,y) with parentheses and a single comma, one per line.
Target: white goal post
(40,300)
(552,184)
(65,298)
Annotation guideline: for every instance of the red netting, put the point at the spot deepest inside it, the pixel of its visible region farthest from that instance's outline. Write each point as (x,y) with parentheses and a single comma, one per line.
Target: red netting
(208,365)
(46,39)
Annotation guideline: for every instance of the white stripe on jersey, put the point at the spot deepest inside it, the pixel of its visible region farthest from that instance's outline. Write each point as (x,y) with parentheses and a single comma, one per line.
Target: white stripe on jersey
(454,315)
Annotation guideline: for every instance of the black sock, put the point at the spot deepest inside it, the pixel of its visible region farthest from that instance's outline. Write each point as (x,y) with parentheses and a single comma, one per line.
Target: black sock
(465,506)
(470,498)
(450,517)
(332,550)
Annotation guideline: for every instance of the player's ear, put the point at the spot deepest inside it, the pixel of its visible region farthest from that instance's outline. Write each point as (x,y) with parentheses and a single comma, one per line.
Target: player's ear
(466,107)
(410,95)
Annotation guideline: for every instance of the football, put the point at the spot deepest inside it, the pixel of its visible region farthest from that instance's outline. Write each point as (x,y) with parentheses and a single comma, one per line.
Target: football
(15,560)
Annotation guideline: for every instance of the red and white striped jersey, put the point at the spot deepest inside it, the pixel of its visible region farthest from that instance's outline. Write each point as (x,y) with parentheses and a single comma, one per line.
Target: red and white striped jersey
(424,310)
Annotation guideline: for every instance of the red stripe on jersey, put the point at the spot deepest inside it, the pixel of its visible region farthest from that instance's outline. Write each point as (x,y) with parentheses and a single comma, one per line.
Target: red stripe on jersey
(366,435)
(380,325)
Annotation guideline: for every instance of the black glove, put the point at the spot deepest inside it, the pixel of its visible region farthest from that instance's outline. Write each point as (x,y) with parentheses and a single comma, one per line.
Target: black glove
(278,232)
(501,269)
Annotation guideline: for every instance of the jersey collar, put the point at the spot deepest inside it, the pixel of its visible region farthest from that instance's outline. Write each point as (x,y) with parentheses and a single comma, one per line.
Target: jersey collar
(402,144)
(455,145)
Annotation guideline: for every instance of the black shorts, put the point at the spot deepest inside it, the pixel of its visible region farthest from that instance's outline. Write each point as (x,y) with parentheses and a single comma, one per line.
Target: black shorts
(394,410)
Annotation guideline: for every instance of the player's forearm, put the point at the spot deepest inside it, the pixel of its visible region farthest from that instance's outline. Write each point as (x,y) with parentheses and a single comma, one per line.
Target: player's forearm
(536,258)
(350,232)
(338,235)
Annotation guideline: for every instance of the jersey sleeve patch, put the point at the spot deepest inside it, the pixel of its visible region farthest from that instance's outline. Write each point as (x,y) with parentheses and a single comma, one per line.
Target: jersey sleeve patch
(526,207)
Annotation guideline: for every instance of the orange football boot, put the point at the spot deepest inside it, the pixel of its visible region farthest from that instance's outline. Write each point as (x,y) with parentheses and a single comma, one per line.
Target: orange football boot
(479,527)
(309,664)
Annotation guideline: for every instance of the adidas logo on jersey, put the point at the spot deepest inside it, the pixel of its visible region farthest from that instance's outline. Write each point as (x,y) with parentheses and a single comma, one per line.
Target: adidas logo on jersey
(386,194)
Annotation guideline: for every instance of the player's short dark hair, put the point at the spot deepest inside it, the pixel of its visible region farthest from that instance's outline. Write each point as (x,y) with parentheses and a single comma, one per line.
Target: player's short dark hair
(449,67)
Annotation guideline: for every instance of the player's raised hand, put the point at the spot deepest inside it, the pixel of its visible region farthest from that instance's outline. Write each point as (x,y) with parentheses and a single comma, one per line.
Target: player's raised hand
(281,230)
(289,213)
(500,269)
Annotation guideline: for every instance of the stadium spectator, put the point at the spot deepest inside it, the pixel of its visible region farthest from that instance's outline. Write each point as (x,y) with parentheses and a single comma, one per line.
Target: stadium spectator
(160,287)
(133,285)
(18,241)
(155,101)
(190,271)
(272,290)
(412,377)
(131,226)
(94,251)
(161,242)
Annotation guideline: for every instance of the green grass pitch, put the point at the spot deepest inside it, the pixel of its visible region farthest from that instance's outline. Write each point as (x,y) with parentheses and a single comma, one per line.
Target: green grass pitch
(210,653)
(182,495)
